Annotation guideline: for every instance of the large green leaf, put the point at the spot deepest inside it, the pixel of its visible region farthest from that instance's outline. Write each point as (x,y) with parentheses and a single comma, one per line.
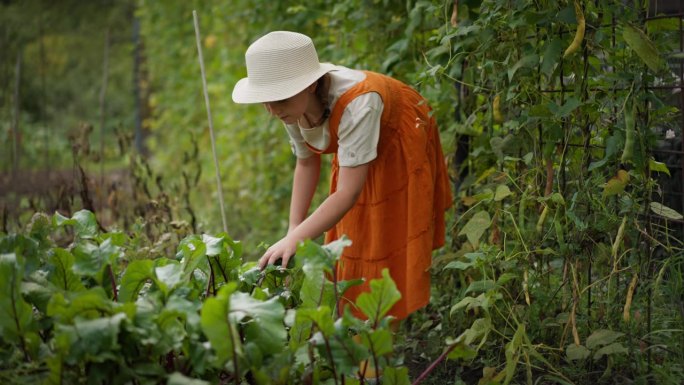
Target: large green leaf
(378,341)
(479,330)
(654,165)
(483,301)
(15,313)
(90,303)
(614,348)
(192,252)
(311,253)
(461,351)
(665,211)
(395,376)
(320,317)
(643,46)
(134,278)
(91,259)
(316,289)
(602,337)
(481,286)
(568,107)
(551,56)
(94,340)
(476,226)
(340,348)
(383,295)
(576,352)
(214,245)
(265,326)
(502,191)
(61,275)
(84,222)
(222,334)
(169,275)
(529,61)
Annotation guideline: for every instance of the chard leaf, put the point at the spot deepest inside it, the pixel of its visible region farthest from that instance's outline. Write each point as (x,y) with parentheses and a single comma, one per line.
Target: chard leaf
(222,334)
(90,303)
(169,275)
(265,324)
(94,340)
(62,274)
(91,259)
(84,222)
(383,295)
(341,349)
(15,313)
(378,341)
(136,275)
(395,376)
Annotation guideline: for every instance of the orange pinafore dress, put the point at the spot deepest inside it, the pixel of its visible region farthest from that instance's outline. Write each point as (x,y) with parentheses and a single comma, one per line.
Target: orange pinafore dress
(398,218)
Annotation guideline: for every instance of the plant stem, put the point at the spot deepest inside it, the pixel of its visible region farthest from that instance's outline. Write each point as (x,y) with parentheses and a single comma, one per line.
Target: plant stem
(223,272)
(332,361)
(433,365)
(235,359)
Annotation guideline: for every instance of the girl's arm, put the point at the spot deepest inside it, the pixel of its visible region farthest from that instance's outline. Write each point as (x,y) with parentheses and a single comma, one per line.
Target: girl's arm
(350,182)
(307,172)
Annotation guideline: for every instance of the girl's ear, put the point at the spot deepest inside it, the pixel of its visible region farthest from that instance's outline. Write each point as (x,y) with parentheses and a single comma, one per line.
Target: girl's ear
(312,88)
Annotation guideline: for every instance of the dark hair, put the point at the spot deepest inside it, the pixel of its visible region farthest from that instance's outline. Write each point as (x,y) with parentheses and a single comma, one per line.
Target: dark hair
(322,86)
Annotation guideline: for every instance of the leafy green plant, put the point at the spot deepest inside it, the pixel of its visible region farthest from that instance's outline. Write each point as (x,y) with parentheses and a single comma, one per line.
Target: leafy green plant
(86,312)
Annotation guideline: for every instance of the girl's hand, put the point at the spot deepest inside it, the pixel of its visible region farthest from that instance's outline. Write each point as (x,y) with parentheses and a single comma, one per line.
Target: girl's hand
(283,249)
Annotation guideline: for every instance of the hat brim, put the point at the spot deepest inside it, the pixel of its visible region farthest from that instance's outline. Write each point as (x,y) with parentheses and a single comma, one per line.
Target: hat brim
(245,92)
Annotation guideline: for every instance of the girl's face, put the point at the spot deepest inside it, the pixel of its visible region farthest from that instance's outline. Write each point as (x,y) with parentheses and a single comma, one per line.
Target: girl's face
(291,109)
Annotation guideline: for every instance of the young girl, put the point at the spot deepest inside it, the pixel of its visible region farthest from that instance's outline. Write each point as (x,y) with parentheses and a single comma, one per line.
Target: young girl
(389,187)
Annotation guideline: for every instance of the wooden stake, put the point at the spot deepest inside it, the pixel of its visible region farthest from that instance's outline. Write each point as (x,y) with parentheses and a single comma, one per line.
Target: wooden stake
(211,124)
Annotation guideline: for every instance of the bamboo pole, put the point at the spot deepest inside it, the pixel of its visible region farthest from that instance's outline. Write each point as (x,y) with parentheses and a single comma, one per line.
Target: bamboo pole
(103,93)
(211,123)
(15,118)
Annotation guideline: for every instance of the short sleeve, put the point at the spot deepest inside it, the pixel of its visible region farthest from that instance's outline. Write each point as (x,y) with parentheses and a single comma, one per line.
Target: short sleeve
(297,142)
(359,130)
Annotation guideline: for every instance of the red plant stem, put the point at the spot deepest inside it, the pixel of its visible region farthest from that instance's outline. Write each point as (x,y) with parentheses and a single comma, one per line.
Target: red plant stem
(223,272)
(332,360)
(433,365)
(235,357)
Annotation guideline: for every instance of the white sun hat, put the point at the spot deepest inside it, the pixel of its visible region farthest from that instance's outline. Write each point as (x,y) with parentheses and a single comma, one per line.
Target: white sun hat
(280,64)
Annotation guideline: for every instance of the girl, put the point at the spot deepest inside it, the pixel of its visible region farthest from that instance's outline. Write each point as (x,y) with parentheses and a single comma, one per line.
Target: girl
(389,187)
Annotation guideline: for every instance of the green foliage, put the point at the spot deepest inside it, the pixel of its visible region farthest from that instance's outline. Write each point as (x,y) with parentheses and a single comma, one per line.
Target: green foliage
(198,316)
(558,203)
(551,226)
(61,51)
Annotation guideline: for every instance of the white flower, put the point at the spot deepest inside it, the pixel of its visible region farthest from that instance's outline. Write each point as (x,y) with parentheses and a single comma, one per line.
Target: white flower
(670,134)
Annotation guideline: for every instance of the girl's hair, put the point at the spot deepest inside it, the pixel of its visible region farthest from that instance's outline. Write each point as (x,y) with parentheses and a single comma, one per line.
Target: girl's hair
(322,86)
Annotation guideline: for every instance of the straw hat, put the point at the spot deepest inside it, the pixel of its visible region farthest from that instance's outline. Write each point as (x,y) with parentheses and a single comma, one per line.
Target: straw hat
(280,64)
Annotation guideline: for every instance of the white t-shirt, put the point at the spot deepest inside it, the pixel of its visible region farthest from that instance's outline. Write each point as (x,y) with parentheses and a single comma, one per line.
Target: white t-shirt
(359,128)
